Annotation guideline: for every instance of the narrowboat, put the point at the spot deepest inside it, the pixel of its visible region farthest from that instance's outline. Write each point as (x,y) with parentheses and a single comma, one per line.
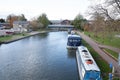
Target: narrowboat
(87,67)
(73,41)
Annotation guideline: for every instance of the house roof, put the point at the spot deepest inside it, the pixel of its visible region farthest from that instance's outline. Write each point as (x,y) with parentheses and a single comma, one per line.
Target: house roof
(66,20)
(4,24)
(59,21)
(21,22)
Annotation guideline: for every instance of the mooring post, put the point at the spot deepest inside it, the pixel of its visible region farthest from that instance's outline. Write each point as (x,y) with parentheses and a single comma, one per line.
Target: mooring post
(119,60)
(110,76)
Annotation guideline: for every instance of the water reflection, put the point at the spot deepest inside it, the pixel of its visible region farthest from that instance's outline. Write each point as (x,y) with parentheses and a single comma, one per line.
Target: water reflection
(71,53)
(43,35)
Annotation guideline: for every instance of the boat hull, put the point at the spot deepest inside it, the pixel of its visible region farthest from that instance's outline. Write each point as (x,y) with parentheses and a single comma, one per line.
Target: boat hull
(72,47)
(87,71)
(79,68)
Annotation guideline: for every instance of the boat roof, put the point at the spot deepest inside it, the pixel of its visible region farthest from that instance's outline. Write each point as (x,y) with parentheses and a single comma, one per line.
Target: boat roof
(87,60)
(74,35)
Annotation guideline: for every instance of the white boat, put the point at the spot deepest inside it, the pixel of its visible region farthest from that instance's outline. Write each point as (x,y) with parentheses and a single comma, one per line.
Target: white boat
(88,69)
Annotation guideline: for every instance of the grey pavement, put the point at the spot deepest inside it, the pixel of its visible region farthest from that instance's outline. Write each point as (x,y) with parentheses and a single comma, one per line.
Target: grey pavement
(97,48)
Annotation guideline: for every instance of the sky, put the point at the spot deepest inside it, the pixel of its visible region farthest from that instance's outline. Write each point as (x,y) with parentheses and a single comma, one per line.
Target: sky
(54,9)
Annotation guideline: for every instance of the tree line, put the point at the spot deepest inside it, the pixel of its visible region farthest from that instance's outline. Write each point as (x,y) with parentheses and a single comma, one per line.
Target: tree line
(36,23)
(41,21)
(105,16)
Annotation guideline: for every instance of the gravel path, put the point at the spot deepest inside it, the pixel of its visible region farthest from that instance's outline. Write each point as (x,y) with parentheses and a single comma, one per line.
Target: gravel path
(97,48)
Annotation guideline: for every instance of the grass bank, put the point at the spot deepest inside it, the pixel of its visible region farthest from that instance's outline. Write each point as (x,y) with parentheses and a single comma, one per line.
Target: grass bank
(11,37)
(105,38)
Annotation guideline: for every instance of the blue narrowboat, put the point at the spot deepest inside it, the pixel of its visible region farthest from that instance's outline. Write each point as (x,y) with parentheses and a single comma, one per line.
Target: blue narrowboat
(74,41)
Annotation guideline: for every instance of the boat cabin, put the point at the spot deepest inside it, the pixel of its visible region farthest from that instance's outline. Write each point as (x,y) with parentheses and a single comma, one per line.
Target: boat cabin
(73,41)
(88,69)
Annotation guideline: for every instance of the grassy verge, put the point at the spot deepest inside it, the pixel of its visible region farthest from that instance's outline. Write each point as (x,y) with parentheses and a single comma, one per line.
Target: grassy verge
(114,54)
(4,38)
(106,38)
(103,65)
(10,37)
(17,36)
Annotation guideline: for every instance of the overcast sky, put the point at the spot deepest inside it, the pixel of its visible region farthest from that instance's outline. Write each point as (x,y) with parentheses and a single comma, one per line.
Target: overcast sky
(55,9)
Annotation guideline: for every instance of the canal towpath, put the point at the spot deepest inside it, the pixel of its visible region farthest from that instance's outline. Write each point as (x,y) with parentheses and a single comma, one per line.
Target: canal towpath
(97,48)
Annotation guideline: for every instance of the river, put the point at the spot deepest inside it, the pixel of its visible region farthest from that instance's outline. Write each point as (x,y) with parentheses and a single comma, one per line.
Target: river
(40,57)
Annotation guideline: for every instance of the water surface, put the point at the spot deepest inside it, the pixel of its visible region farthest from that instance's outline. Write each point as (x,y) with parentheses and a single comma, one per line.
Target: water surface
(39,57)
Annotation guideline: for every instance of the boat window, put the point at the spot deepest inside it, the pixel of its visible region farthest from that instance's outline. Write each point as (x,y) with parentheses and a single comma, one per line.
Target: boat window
(70,40)
(89,61)
(84,50)
(85,53)
(86,56)
(74,40)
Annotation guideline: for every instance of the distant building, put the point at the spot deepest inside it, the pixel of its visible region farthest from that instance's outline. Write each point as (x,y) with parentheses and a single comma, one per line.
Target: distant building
(6,32)
(4,26)
(55,22)
(66,22)
(61,22)
(21,26)
(60,25)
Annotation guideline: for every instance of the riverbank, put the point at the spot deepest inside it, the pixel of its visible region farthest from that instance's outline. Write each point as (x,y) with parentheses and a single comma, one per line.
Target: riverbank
(18,37)
(97,49)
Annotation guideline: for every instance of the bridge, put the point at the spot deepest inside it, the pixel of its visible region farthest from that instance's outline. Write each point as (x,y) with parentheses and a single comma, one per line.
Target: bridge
(60,27)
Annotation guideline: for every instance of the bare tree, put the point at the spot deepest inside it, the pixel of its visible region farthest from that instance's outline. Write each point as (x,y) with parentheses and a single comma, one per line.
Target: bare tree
(98,23)
(110,10)
(35,25)
(115,6)
(11,18)
(103,11)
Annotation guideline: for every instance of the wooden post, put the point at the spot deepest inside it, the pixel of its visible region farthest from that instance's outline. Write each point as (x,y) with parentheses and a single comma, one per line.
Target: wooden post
(113,71)
(119,60)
